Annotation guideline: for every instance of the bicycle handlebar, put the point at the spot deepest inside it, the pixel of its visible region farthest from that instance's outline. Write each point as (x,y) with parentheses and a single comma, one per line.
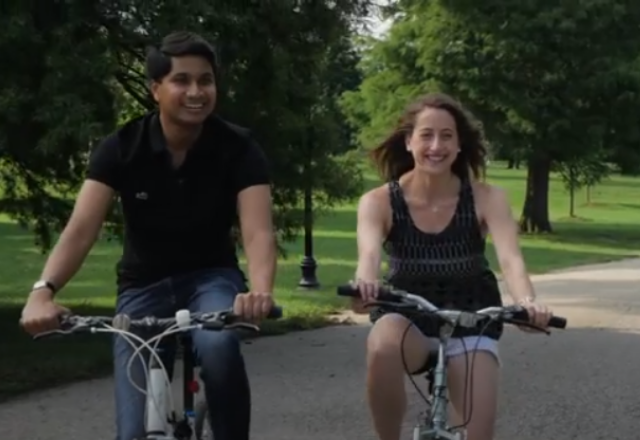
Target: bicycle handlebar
(399,299)
(214,321)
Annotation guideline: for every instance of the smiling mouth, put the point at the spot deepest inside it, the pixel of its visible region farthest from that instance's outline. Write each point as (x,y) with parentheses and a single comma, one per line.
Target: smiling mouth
(436,158)
(194,106)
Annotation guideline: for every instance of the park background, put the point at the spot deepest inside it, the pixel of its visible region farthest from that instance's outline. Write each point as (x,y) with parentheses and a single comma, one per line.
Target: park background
(557,88)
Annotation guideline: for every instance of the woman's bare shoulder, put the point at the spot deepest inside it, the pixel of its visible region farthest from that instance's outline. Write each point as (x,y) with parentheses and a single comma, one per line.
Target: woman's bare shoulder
(375,204)
(489,197)
(378,196)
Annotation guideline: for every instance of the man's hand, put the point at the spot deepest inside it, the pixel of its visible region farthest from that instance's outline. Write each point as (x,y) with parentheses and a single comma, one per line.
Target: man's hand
(41,314)
(253,306)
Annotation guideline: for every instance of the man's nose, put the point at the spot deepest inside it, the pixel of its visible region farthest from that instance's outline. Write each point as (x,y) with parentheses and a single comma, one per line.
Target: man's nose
(194,89)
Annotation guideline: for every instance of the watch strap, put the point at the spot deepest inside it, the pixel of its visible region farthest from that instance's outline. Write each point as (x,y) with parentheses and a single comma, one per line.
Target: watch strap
(44,284)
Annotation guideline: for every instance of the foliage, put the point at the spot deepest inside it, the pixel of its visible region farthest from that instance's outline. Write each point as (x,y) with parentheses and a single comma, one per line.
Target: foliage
(583,171)
(76,70)
(54,103)
(553,80)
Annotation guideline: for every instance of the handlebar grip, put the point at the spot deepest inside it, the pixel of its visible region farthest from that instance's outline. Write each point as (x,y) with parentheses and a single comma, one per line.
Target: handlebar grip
(384,294)
(275,313)
(555,322)
(558,322)
(348,290)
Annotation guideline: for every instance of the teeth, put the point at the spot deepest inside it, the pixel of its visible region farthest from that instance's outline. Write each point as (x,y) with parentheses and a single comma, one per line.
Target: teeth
(194,107)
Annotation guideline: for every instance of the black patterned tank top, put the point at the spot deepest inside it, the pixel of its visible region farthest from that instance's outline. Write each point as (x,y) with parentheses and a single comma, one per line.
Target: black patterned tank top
(447,268)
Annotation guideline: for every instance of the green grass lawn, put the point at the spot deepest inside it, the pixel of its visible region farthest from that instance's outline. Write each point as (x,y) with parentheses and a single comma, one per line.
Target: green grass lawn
(604,230)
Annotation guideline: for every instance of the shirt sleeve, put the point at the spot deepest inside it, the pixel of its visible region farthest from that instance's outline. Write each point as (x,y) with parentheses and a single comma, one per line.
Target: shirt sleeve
(105,165)
(252,168)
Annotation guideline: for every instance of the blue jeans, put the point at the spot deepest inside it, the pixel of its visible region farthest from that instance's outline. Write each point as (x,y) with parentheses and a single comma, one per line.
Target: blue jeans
(222,366)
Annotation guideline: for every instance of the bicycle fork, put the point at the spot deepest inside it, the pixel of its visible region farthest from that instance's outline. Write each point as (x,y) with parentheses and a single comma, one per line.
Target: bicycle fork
(437,429)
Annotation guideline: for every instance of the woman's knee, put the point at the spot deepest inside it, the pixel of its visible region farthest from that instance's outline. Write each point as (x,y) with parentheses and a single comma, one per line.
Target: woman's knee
(395,342)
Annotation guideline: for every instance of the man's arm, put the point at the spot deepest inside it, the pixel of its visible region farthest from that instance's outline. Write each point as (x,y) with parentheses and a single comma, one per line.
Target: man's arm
(82,229)
(256,219)
(258,238)
(504,231)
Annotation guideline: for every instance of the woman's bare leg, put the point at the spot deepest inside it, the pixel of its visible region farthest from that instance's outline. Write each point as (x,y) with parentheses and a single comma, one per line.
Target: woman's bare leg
(385,371)
(482,394)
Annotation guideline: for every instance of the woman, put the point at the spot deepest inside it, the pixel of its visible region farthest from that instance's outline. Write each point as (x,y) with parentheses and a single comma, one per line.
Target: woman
(432,217)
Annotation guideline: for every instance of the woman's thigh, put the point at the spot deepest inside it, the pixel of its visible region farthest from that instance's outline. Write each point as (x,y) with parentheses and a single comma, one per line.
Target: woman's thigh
(473,367)
(394,336)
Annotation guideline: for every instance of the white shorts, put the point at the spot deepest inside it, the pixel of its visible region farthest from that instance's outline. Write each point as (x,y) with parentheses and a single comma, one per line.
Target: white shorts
(458,346)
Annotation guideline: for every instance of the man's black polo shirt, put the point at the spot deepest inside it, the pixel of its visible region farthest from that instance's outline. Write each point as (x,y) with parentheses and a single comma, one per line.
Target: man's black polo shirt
(177,220)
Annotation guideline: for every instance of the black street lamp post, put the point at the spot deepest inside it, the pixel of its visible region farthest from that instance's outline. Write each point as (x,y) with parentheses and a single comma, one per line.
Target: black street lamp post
(308,265)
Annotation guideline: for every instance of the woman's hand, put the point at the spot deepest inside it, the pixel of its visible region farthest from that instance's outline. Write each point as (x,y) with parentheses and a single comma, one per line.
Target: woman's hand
(368,292)
(368,289)
(539,314)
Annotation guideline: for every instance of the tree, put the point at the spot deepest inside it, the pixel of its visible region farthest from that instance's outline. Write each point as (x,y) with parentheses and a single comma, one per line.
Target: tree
(585,171)
(549,74)
(279,76)
(54,102)
(542,76)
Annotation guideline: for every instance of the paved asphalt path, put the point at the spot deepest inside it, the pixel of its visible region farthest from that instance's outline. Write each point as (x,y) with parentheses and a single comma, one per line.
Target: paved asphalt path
(581,383)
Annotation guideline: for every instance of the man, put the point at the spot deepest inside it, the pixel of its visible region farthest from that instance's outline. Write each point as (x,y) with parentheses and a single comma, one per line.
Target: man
(182,175)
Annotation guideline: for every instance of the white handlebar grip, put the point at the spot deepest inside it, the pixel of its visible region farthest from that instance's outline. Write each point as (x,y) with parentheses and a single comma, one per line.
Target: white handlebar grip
(183,318)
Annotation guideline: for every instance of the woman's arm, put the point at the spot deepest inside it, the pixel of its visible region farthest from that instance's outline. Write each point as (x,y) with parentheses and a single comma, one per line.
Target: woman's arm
(504,231)
(373,213)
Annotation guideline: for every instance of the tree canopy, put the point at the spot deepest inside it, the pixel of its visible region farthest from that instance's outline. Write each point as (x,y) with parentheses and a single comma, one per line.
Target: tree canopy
(555,82)
(75,72)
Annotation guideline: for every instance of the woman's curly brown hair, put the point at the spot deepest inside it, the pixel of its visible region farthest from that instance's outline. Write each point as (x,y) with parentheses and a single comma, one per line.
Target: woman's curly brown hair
(393,160)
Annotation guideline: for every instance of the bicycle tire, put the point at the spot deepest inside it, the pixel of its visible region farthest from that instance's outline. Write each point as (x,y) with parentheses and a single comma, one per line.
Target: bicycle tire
(201,422)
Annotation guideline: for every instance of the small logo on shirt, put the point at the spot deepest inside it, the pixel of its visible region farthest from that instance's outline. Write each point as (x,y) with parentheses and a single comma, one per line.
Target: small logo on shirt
(142,196)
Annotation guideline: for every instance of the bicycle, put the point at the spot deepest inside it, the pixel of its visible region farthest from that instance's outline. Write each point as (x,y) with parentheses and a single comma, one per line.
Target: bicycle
(163,421)
(434,424)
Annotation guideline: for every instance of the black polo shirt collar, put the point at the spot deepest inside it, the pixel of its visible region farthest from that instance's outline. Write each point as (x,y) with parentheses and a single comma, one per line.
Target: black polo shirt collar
(212,126)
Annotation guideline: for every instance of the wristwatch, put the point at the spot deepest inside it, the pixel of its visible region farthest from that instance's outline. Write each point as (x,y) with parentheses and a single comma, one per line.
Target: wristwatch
(527,300)
(44,284)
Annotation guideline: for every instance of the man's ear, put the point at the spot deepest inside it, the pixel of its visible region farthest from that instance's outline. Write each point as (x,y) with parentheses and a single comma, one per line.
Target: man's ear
(153,87)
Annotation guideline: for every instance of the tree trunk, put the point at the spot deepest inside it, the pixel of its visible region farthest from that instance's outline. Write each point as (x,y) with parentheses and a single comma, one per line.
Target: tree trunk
(572,192)
(572,201)
(513,163)
(535,212)
(588,195)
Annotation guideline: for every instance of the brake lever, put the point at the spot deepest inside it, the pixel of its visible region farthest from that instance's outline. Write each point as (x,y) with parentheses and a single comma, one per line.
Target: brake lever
(394,305)
(528,325)
(243,325)
(50,333)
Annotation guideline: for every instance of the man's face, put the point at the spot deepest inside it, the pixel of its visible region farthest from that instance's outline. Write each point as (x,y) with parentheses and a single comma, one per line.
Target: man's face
(188,93)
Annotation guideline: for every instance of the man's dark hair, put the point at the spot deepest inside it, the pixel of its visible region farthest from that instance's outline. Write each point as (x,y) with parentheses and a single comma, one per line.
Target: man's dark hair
(178,44)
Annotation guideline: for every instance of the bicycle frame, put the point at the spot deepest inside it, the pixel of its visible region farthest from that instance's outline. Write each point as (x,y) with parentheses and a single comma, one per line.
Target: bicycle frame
(436,425)
(157,414)
(157,418)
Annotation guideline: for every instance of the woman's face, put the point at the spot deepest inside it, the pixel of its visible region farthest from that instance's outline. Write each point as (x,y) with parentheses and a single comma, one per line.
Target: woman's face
(434,142)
